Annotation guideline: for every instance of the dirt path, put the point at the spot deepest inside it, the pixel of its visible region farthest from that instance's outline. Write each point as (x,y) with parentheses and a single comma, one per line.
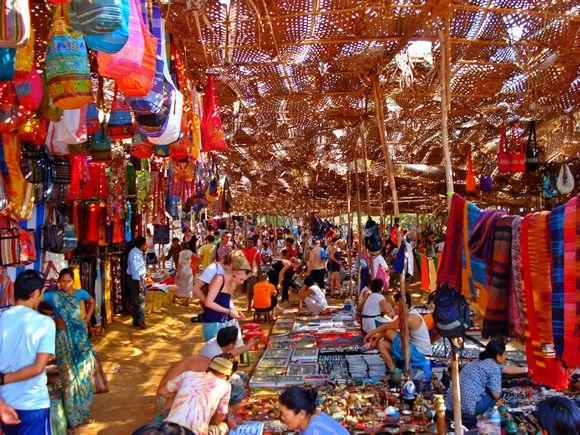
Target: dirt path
(134,362)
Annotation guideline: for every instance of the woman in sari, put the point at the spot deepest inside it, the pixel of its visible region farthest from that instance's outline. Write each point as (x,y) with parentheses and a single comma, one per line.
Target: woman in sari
(75,356)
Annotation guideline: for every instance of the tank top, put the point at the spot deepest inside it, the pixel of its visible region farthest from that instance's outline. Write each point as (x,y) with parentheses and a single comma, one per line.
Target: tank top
(223,300)
(371,311)
(420,337)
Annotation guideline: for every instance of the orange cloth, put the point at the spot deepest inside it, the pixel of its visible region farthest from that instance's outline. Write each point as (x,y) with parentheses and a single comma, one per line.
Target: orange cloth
(263,292)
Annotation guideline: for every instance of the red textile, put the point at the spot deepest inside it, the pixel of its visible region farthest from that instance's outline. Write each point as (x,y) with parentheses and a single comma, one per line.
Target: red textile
(571,355)
(424,273)
(93,222)
(535,250)
(450,266)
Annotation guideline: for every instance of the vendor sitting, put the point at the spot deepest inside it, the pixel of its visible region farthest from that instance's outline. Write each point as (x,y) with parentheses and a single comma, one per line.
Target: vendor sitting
(298,413)
(313,297)
(225,342)
(480,381)
(265,296)
(374,307)
(387,340)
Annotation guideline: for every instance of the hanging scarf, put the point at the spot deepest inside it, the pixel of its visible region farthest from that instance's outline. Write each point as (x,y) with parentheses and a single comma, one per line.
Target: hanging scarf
(543,368)
(482,236)
(450,268)
(516,300)
(556,225)
(495,322)
(571,355)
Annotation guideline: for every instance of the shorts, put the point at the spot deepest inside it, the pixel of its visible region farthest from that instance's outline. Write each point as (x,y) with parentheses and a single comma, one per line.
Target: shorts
(33,422)
(333,266)
(418,361)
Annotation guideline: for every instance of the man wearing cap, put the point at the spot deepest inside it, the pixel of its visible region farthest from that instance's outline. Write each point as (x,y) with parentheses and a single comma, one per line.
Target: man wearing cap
(27,343)
(201,398)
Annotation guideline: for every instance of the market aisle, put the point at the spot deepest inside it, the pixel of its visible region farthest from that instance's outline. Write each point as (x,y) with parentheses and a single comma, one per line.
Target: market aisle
(134,362)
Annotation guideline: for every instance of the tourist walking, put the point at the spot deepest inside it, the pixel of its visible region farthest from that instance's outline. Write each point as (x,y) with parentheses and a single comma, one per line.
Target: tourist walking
(136,271)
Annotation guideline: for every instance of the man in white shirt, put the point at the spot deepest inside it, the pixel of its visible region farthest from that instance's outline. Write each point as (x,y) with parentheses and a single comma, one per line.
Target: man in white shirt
(136,271)
(313,297)
(27,343)
(316,264)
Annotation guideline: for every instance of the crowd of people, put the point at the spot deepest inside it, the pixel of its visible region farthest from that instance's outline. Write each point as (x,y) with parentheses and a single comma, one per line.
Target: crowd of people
(44,332)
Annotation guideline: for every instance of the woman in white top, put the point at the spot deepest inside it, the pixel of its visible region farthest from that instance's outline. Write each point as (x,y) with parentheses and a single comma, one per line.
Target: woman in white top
(313,297)
(375,307)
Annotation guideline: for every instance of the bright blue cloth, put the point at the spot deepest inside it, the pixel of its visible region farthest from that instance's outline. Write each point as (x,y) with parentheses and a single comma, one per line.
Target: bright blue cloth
(418,361)
(36,422)
(23,334)
(557,244)
(323,424)
(136,267)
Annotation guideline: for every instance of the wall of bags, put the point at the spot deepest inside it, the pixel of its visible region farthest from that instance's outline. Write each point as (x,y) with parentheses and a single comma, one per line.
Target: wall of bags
(102,138)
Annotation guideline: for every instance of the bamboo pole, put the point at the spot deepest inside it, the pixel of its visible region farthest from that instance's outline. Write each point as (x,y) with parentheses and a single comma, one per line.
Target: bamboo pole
(349,217)
(358,208)
(444,39)
(386,145)
(364,149)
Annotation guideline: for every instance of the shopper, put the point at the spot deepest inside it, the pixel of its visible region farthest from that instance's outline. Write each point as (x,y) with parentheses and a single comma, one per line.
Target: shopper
(265,296)
(207,252)
(253,257)
(316,264)
(224,247)
(480,381)
(201,398)
(387,340)
(225,342)
(374,307)
(313,297)
(27,344)
(136,271)
(75,355)
(558,415)
(219,310)
(184,276)
(174,251)
(298,412)
(334,265)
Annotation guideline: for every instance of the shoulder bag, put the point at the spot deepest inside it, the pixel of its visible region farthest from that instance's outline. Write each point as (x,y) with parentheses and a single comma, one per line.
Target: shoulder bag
(96,16)
(112,42)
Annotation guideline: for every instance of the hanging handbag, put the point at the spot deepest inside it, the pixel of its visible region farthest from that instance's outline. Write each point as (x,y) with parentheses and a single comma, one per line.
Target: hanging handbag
(153,102)
(53,231)
(212,133)
(129,59)
(470,183)
(95,17)
(565,180)
(112,42)
(70,240)
(532,150)
(79,175)
(120,125)
(14,23)
(9,246)
(67,66)
(35,164)
(511,153)
(140,81)
(29,90)
(7,56)
(12,115)
(27,246)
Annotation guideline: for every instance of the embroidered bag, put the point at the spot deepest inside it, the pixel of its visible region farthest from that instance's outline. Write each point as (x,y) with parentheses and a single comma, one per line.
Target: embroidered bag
(53,231)
(14,23)
(120,125)
(112,42)
(95,17)
(9,246)
(67,66)
(511,153)
(532,150)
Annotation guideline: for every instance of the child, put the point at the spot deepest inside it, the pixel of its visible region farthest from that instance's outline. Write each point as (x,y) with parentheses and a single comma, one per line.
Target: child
(265,296)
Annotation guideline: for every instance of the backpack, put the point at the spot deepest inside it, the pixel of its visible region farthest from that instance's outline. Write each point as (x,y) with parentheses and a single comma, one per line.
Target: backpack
(452,315)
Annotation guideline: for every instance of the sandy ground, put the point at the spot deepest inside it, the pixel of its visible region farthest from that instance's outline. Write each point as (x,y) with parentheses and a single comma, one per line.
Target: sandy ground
(134,362)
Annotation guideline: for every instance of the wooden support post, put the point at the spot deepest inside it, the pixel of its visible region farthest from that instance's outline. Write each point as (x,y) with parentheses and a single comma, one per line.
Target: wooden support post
(358,207)
(444,69)
(404,323)
(380,115)
(349,218)
(364,149)
(382,196)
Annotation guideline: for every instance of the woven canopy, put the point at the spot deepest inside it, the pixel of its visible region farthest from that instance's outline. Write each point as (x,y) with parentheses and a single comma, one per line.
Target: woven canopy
(297,79)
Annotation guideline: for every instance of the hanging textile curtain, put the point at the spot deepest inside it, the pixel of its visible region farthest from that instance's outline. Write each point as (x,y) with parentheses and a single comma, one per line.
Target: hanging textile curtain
(571,353)
(212,133)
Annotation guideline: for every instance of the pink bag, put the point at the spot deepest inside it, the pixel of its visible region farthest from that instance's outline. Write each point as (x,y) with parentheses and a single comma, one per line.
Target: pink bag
(130,57)
(383,276)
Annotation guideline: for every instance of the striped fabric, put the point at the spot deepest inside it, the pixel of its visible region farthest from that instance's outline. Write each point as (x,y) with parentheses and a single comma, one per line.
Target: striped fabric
(556,224)
(535,253)
(450,268)
(517,314)
(94,17)
(571,354)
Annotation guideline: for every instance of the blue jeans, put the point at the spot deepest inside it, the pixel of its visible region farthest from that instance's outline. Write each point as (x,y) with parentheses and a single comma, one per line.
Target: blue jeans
(36,422)
(484,404)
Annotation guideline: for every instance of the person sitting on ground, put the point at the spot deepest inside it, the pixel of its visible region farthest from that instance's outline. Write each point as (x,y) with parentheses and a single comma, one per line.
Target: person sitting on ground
(480,382)
(298,412)
(313,296)
(387,340)
(201,400)
(374,307)
(265,296)
(558,415)
(225,342)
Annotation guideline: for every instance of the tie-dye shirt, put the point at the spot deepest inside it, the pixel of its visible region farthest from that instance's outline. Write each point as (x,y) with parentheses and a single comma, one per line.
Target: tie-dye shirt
(199,396)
